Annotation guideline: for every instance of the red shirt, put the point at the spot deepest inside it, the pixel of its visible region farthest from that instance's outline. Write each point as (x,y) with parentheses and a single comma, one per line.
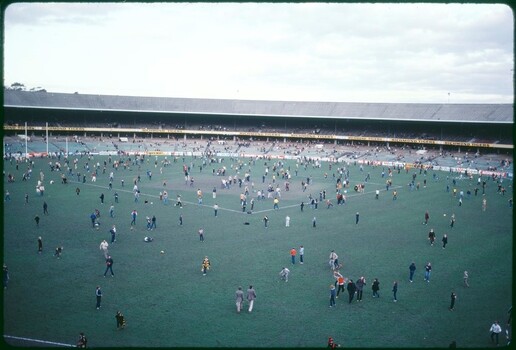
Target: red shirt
(293,252)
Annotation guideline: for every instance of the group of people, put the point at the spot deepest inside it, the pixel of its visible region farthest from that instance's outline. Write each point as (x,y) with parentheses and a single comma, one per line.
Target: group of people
(353,288)
(250,296)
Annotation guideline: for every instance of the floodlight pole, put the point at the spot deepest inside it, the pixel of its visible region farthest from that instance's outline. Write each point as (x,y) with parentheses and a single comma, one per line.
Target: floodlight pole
(26,147)
(46,128)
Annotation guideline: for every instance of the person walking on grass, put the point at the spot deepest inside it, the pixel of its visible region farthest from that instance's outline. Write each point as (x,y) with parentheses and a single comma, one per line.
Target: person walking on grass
(40,245)
(395,290)
(351,290)
(120,320)
(251,296)
(495,332)
(431,236)
(239,296)
(104,247)
(340,282)
(412,269)
(134,214)
(98,294)
(466,279)
(205,266)
(445,240)
(113,234)
(58,252)
(201,234)
(335,258)
(301,254)
(36,219)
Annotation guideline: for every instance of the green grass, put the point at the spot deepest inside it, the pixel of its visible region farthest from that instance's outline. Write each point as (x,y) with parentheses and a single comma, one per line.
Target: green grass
(169,303)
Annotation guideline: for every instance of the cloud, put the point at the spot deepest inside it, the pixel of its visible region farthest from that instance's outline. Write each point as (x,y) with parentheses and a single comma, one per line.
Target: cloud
(311,51)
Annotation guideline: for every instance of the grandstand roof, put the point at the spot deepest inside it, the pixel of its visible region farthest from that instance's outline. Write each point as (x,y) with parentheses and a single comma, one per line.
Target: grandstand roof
(468,113)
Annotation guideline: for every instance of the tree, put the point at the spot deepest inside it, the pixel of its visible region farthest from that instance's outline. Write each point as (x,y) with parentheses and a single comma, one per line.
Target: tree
(17,87)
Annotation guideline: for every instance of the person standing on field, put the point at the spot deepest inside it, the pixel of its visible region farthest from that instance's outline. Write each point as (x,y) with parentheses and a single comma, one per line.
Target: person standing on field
(251,295)
(293,253)
(452,302)
(360,286)
(98,294)
(466,278)
(431,236)
(428,270)
(301,254)
(332,295)
(109,266)
(376,287)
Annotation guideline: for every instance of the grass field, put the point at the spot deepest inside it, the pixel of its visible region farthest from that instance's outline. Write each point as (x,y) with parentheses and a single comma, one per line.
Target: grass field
(168,302)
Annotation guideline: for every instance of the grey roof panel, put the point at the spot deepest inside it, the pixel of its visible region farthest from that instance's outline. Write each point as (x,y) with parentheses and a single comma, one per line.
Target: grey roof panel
(475,113)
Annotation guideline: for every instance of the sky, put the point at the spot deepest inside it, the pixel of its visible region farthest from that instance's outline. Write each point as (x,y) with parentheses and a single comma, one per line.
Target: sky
(339,52)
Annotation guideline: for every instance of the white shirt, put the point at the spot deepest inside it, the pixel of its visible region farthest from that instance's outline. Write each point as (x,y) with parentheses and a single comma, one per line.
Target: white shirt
(301,250)
(495,328)
(103,245)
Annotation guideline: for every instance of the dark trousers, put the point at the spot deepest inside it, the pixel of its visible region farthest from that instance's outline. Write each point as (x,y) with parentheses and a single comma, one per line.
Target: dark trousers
(351,296)
(341,288)
(493,335)
(109,268)
(98,301)
(359,294)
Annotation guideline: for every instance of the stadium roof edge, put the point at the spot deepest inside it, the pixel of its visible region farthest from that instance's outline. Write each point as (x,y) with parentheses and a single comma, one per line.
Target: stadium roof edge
(413,112)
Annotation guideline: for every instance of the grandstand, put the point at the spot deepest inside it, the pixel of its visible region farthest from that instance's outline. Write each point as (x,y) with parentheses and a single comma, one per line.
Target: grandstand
(440,127)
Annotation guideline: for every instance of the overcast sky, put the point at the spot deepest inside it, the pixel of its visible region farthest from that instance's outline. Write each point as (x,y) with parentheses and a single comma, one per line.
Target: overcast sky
(421,53)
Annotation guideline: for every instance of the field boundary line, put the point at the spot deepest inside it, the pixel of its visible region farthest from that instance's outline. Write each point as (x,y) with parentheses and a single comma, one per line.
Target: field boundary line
(38,341)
